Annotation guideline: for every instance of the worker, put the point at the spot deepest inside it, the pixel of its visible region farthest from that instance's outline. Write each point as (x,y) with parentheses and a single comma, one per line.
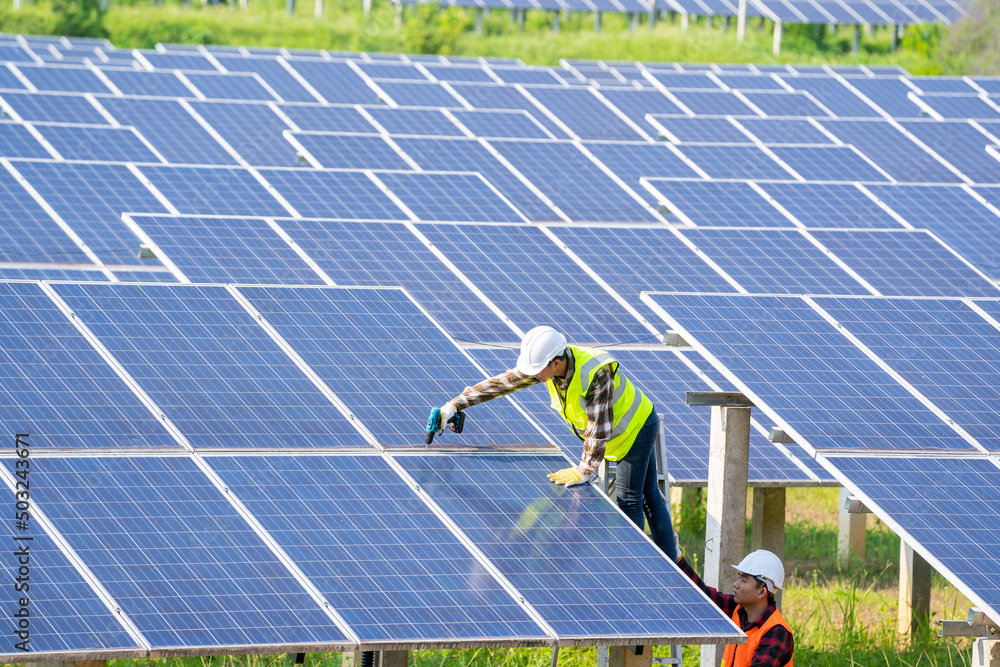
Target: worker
(753,609)
(612,416)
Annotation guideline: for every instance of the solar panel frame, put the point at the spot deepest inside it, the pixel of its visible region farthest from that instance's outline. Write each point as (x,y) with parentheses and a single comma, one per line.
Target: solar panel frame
(246,86)
(98,144)
(829,162)
(213,190)
(351,151)
(274,74)
(717,203)
(254,131)
(53,78)
(457,196)
(328,193)
(52,107)
(419,122)
(505,123)
(727,161)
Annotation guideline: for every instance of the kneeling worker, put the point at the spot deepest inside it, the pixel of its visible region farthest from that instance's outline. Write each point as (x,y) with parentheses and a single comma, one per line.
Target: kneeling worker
(609,413)
(752,606)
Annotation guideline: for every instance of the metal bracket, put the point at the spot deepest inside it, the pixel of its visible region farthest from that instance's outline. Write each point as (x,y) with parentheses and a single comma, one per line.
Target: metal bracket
(779,436)
(728,399)
(674,339)
(853,505)
(977,625)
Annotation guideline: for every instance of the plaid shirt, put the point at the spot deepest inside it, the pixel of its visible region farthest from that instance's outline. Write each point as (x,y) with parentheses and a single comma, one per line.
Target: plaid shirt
(600,405)
(775,647)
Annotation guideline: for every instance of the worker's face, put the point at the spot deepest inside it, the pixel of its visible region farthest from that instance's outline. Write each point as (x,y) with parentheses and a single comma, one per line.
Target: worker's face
(747,591)
(548,372)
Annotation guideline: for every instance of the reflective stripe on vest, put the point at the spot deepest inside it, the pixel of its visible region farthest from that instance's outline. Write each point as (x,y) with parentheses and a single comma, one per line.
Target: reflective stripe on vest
(741,655)
(631,407)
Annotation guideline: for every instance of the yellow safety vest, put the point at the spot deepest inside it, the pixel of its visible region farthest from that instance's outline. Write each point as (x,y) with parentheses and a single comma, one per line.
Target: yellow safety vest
(631,407)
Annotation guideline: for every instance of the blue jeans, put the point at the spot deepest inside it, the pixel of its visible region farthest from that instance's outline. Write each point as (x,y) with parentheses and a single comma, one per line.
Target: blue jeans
(638,493)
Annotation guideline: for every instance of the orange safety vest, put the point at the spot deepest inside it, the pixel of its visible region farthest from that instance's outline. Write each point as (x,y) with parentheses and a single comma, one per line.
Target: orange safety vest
(740,655)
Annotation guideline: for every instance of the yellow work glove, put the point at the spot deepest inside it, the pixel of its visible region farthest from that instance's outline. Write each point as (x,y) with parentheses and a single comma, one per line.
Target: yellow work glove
(568,477)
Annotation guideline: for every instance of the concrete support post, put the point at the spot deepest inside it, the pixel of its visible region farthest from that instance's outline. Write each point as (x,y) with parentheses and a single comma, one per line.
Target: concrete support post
(767,527)
(633,22)
(479,20)
(392,659)
(986,653)
(725,524)
(725,23)
(17,4)
(895,39)
(520,19)
(856,41)
(351,659)
(914,591)
(555,21)
(741,21)
(290,6)
(684,21)
(78,663)
(399,15)
(708,21)
(366,8)
(625,656)
(597,20)
(776,40)
(318,8)
(850,534)
(651,15)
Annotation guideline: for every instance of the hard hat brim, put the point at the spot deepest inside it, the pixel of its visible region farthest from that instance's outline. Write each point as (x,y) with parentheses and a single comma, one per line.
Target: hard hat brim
(757,576)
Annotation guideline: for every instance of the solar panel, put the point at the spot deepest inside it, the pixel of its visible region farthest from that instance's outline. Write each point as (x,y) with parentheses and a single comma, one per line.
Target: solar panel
(485,96)
(734,161)
(574,183)
(522,271)
(63,79)
(713,102)
(332,194)
(890,94)
(65,613)
(141,82)
(774,261)
(833,95)
(227,250)
(327,118)
(17,141)
(372,347)
(613,582)
(960,144)
(253,130)
(961,106)
(230,86)
(274,74)
(13,53)
(450,197)
(586,115)
(378,253)
(941,347)
(948,507)
(90,198)
(941,84)
(836,163)
(710,203)
(9,273)
(422,122)
(990,85)
(114,144)
(170,128)
(705,130)
(378,554)
(335,81)
(785,103)
(347,151)
(677,80)
(632,161)
(58,388)
(470,155)
(54,108)
(451,73)
(892,150)
(213,190)
(954,216)
(417,94)
(784,131)
(188,571)
(830,205)
(382,70)
(514,124)
(209,366)
(749,81)
(807,374)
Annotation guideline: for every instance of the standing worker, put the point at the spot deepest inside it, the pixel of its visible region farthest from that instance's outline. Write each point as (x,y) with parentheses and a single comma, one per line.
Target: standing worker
(612,416)
(753,609)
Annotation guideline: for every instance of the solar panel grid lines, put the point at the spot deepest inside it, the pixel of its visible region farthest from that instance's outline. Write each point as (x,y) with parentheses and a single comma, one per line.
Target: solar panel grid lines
(818,382)
(717,203)
(444,196)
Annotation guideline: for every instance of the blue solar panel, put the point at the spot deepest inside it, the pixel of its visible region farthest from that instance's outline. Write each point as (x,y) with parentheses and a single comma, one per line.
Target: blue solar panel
(470,155)
(141,82)
(632,161)
(892,150)
(7,273)
(586,115)
(711,204)
(941,84)
(486,96)
(706,130)
(327,119)
(677,80)
(906,263)
(574,183)
(13,53)
(805,371)
(960,144)
(209,366)
(450,197)
(274,74)
(890,94)
(160,276)
(417,94)
(540,75)
(186,61)
(422,122)
(949,507)
(188,570)
(348,151)
(990,85)
(733,161)
(58,388)
(213,190)
(91,199)
(333,194)
(230,86)
(749,81)
(713,103)
(954,216)
(227,250)
(451,73)
(253,130)
(774,261)
(523,272)
(28,233)
(831,163)
(833,95)
(785,103)
(17,141)
(784,131)
(523,523)
(113,144)
(373,348)
(961,106)
(65,612)
(830,205)
(941,347)
(63,79)
(515,124)
(392,71)
(174,132)
(335,81)
(54,108)
(381,557)
(637,103)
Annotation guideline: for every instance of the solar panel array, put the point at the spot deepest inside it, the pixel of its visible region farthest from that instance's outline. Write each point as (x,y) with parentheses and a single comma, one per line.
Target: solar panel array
(498,196)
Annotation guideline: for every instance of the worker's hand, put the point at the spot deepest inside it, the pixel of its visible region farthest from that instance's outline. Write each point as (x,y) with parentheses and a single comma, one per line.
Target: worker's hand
(568,477)
(447,412)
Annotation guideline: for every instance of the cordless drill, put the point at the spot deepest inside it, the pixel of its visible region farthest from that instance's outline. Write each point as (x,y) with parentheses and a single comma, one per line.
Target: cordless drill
(434,424)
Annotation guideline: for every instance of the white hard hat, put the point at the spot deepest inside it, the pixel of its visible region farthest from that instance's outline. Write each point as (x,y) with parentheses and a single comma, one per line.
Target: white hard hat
(540,346)
(764,565)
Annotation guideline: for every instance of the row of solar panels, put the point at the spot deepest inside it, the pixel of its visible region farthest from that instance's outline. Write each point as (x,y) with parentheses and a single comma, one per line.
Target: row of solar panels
(897,396)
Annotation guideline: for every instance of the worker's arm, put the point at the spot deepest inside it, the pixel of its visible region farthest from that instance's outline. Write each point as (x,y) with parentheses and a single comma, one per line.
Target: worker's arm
(499,385)
(774,649)
(726,603)
(600,421)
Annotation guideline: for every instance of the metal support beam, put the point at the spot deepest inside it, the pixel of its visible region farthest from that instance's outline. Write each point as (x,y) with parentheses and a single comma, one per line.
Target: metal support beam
(290,6)
(741,21)
(729,399)
(520,19)
(725,23)
(651,15)
(555,21)
(776,39)
(850,533)
(633,22)
(725,524)
(597,20)
(895,38)
(479,20)
(914,591)
(856,41)
(767,527)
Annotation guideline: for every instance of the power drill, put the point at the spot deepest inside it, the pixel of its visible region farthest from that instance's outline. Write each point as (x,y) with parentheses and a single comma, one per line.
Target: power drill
(455,424)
